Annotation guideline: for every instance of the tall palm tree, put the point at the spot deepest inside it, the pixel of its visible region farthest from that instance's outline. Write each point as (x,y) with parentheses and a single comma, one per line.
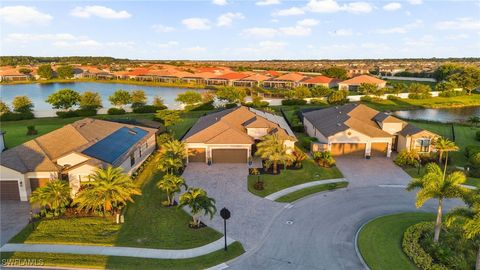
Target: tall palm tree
(171,184)
(469,218)
(110,189)
(172,156)
(434,185)
(54,196)
(444,145)
(272,148)
(197,200)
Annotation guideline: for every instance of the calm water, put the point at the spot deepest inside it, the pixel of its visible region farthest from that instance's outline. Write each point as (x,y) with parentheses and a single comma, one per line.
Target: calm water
(441,115)
(39,92)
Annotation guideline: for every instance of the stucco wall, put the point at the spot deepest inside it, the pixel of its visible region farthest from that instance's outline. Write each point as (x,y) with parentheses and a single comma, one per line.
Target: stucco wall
(313,132)
(71,159)
(141,152)
(257,133)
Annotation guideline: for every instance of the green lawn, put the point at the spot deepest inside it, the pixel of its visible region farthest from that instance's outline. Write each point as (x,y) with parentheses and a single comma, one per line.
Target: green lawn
(380,241)
(147,224)
(187,121)
(472,181)
(310,190)
(287,178)
(105,262)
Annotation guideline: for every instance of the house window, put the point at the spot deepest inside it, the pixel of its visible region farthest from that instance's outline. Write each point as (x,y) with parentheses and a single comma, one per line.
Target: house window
(132,159)
(140,152)
(422,145)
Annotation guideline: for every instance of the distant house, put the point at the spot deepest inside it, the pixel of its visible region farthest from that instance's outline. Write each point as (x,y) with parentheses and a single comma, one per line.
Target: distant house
(12,74)
(321,80)
(251,81)
(286,81)
(95,73)
(226,79)
(72,153)
(356,129)
(353,83)
(229,136)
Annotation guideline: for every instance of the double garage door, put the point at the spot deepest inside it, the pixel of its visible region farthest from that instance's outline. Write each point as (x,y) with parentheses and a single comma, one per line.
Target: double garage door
(358,149)
(9,190)
(220,155)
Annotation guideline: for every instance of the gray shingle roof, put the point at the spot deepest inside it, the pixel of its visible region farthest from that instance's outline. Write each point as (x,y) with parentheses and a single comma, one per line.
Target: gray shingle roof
(410,129)
(330,120)
(206,121)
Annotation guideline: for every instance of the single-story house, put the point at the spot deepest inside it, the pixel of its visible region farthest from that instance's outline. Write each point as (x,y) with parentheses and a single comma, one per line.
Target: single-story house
(251,81)
(356,129)
(226,79)
(320,80)
(12,74)
(289,80)
(72,153)
(353,83)
(229,136)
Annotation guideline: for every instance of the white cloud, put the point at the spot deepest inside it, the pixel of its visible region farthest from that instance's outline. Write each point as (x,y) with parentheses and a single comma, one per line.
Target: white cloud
(358,7)
(342,33)
(415,2)
(289,12)
(24,15)
(457,37)
(99,11)
(160,28)
(392,6)
(197,23)
(260,32)
(461,23)
(167,45)
(267,2)
(296,31)
(196,49)
(331,6)
(308,22)
(400,29)
(219,2)
(227,18)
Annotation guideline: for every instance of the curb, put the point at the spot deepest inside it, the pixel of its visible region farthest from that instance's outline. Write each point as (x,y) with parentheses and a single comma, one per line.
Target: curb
(359,255)
(285,191)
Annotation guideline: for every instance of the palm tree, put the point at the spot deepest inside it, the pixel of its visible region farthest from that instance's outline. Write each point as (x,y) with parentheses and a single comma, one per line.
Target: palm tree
(272,149)
(197,200)
(172,155)
(444,145)
(469,218)
(171,184)
(110,189)
(54,196)
(434,185)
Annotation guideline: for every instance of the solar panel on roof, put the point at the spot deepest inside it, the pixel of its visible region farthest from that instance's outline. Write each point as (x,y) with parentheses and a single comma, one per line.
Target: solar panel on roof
(110,148)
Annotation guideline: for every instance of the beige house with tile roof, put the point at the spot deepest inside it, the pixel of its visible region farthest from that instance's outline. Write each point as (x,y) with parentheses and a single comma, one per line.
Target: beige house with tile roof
(356,129)
(229,136)
(73,152)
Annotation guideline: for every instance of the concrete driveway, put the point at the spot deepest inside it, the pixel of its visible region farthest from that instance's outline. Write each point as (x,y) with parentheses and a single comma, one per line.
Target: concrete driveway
(14,217)
(227,184)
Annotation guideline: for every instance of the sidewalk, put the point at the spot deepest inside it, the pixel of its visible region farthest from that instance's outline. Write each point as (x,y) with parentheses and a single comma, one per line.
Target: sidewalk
(119,251)
(278,194)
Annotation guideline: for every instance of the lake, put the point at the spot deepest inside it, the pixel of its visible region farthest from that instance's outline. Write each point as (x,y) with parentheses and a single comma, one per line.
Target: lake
(38,93)
(440,115)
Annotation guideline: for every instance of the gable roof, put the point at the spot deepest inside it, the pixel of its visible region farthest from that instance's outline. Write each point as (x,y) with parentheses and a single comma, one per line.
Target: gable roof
(230,127)
(256,77)
(231,76)
(321,79)
(294,77)
(363,79)
(410,129)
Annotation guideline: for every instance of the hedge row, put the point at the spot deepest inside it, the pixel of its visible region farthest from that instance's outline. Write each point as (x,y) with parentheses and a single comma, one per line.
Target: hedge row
(411,246)
(13,116)
(76,113)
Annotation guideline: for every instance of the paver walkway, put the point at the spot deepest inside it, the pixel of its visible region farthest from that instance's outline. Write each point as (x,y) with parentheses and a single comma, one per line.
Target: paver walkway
(286,191)
(119,251)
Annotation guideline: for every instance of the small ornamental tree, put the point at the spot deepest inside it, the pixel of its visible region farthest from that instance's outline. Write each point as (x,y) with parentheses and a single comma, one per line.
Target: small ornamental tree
(301,92)
(367,88)
(65,72)
(120,98)
(4,107)
(45,72)
(64,99)
(22,104)
(168,117)
(189,98)
(90,101)
(25,71)
(232,94)
(138,98)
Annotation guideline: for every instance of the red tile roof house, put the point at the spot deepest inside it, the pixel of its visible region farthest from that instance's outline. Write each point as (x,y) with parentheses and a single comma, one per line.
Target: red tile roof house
(289,80)
(198,78)
(74,152)
(251,81)
(226,79)
(353,83)
(12,74)
(320,80)
(356,129)
(229,136)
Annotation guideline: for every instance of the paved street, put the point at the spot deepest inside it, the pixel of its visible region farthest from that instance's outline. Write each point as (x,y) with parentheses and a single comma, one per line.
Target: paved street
(14,216)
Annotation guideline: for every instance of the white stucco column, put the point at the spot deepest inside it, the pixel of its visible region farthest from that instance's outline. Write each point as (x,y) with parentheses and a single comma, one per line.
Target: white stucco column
(368,149)
(389,149)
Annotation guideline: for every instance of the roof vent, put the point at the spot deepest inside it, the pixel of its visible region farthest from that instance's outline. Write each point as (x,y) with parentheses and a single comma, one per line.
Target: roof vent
(338,124)
(133,132)
(82,125)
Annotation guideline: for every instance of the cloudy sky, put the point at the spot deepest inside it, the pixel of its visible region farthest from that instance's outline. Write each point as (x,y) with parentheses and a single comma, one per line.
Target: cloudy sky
(229,29)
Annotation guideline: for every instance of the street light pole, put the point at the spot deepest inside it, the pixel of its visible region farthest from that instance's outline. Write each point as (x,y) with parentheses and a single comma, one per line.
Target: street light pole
(225,214)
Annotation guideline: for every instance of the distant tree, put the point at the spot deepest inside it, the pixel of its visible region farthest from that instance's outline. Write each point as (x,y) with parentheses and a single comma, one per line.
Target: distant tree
(446,86)
(22,104)
(231,94)
(337,97)
(65,72)
(418,90)
(445,70)
(398,88)
(335,72)
(90,101)
(367,88)
(189,98)
(320,91)
(158,102)
(25,71)
(120,98)
(467,77)
(378,92)
(64,99)
(474,120)
(208,96)
(301,92)
(168,117)
(4,107)
(138,98)
(45,71)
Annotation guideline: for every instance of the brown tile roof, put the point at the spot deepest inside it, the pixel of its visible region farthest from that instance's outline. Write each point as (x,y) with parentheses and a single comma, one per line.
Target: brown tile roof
(231,76)
(363,79)
(294,77)
(320,79)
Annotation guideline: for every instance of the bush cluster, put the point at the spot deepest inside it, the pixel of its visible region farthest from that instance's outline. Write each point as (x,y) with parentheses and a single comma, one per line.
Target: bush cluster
(148,109)
(419,95)
(407,158)
(208,106)
(76,113)
(317,101)
(305,142)
(14,116)
(116,111)
(452,93)
(393,97)
(294,101)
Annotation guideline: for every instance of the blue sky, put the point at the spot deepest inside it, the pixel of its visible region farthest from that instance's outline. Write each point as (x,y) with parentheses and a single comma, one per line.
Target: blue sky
(242,30)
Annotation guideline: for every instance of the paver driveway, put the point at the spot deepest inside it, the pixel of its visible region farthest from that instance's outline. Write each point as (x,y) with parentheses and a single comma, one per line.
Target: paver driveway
(14,217)
(227,184)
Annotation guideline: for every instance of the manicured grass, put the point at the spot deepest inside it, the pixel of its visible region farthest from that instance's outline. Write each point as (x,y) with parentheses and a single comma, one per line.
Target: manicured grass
(472,181)
(147,224)
(310,190)
(105,262)
(380,241)
(287,178)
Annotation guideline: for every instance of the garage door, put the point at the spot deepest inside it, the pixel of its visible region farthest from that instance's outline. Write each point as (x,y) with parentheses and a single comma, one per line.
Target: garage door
(38,182)
(9,190)
(198,155)
(357,149)
(229,155)
(379,149)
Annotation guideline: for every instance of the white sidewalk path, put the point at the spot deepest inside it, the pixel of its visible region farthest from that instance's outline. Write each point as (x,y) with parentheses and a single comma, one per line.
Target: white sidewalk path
(286,191)
(119,251)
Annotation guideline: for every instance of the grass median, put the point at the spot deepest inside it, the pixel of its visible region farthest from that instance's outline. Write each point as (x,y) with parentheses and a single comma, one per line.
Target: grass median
(296,195)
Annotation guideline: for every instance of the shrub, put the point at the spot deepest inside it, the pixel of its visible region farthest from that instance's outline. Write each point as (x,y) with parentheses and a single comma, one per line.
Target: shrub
(12,116)
(145,109)
(452,93)
(412,248)
(324,159)
(317,101)
(115,111)
(366,98)
(305,142)
(208,106)
(289,102)
(419,95)
(471,150)
(31,130)
(475,160)
(407,158)
(86,112)
(67,114)
(338,97)
(477,135)
(393,97)
(230,105)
